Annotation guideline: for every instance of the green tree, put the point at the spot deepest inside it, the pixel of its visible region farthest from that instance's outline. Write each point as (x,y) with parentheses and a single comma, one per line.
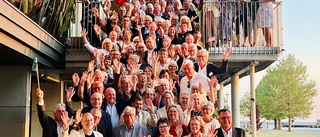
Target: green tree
(285,91)
(245,109)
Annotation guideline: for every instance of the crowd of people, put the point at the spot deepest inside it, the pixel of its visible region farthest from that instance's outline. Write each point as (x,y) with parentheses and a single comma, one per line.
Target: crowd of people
(150,76)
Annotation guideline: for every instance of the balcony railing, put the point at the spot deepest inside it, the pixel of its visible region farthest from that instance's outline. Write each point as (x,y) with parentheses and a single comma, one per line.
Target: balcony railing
(52,15)
(230,17)
(244,18)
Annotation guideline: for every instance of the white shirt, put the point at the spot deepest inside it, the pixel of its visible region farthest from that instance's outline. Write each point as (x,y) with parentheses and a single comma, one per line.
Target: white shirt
(197,77)
(227,134)
(203,71)
(112,110)
(212,122)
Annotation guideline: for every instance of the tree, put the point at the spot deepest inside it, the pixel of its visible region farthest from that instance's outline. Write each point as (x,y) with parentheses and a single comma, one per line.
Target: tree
(285,91)
(245,109)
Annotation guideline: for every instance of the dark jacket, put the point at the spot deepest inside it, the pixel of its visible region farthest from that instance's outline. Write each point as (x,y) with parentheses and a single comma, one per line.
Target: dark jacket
(236,132)
(212,69)
(48,124)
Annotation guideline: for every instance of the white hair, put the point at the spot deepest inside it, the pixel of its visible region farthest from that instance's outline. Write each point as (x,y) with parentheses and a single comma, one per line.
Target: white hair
(129,109)
(209,104)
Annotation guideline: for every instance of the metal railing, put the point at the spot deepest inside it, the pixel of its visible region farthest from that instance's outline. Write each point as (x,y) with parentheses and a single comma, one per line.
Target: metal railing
(242,25)
(230,19)
(54,16)
(84,18)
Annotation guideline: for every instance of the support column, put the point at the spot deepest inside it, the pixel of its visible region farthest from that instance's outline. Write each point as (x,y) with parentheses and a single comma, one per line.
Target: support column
(253,98)
(220,97)
(235,101)
(15,100)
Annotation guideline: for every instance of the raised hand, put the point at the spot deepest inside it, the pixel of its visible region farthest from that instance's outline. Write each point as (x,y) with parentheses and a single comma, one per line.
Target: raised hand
(212,132)
(226,53)
(193,17)
(179,130)
(149,105)
(75,79)
(78,116)
(83,77)
(161,31)
(91,65)
(84,32)
(40,95)
(116,66)
(211,39)
(90,80)
(96,12)
(65,120)
(69,93)
(102,58)
(154,57)
(96,29)
(134,81)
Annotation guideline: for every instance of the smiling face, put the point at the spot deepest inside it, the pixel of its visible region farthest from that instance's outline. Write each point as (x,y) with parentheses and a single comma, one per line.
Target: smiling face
(225,120)
(194,126)
(164,128)
(173,113)
(87,121)
(188,70)
(96,100)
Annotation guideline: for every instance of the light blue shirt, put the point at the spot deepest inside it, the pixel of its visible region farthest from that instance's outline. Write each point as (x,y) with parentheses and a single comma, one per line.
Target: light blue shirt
(112,110)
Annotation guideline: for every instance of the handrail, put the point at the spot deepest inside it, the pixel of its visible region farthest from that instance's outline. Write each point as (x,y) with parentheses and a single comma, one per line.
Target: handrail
(241,17)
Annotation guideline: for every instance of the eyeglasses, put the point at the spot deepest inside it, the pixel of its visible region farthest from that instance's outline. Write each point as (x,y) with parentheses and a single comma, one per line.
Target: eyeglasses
(188,84)
(164,126)
(149,94)
(207,109)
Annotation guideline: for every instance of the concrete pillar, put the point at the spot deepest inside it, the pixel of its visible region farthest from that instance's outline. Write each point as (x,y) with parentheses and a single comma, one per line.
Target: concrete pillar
(253,98)
(220,97)
(235,101)
(15,100)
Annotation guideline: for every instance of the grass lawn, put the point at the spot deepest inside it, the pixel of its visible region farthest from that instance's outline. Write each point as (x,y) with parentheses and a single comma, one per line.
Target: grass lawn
(284,133)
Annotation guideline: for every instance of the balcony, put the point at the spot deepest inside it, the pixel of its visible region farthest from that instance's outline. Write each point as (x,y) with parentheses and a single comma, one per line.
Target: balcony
(240,58)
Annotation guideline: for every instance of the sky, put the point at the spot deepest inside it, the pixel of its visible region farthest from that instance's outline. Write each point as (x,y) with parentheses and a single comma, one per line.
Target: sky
(301,37)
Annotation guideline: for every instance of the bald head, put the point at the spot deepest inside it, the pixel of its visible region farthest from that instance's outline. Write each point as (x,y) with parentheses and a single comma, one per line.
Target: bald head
(87,121)
(110,95)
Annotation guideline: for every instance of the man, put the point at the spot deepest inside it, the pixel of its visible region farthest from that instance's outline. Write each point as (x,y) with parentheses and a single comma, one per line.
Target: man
(87,127)
(96,102)
(97,115)
(144,118)
(209,70)
(226,129)
(157,37)
(193,77)
(183,100)
(113,105)
(50,127)
(130,128)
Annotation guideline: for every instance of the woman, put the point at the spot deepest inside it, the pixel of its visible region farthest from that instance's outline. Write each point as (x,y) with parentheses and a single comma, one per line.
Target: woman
(264,19)
(127,38)
(148,95)
(174,36)
(207,110)
(167,99)
(195,107)
(197,128)
(172,53)
(164,74)
(176,126)
(148,71)
(164,127)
